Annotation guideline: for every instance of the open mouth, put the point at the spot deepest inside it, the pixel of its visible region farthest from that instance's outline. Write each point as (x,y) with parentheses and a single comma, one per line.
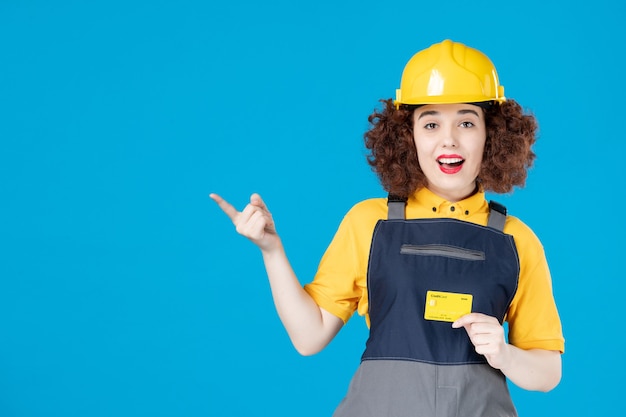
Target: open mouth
(450,165)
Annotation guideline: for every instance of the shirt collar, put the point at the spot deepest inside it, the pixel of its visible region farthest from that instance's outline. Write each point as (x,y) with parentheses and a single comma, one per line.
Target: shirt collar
(473,204)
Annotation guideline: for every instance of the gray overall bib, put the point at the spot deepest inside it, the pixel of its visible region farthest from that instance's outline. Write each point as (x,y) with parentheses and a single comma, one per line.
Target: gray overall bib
(424,368)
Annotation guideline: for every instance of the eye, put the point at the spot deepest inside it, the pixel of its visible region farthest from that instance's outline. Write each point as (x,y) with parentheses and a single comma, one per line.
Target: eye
(467,124)
(430,126)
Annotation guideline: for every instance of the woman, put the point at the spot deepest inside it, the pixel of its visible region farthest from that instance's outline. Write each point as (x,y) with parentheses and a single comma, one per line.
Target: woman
(435,269)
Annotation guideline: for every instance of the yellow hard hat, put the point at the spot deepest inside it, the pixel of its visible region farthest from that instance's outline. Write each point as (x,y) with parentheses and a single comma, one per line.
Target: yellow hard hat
(449,72)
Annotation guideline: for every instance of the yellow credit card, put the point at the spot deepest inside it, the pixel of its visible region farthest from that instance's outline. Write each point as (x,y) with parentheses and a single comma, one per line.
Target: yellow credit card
(447,306)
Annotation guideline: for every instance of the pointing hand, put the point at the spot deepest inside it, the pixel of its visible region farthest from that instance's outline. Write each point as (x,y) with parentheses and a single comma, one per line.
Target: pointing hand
(254,222)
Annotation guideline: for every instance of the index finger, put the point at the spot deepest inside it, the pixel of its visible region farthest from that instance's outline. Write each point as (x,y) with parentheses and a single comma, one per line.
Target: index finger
(226,207)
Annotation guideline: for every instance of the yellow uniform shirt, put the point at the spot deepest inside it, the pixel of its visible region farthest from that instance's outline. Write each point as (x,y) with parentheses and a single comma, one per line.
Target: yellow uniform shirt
(340,284)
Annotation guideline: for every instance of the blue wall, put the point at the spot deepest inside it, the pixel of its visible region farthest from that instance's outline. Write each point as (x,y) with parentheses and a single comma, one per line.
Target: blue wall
(124,291)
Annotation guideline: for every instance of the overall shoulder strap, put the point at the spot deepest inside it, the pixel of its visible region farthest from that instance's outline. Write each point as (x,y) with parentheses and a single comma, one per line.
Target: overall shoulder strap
(396,207)
(497,216)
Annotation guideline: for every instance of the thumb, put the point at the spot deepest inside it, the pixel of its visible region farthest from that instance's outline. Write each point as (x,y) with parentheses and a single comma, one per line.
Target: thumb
(256,200)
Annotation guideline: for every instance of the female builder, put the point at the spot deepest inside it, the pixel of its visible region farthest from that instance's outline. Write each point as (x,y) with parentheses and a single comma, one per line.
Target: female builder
(435,268)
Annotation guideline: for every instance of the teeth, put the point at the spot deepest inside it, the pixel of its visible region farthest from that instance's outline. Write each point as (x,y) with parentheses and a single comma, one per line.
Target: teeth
(449,160)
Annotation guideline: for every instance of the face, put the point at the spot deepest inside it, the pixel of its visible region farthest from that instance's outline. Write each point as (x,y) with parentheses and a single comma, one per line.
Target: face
(450,139)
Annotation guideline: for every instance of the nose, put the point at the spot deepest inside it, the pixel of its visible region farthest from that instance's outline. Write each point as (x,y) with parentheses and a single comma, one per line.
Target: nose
(449,138)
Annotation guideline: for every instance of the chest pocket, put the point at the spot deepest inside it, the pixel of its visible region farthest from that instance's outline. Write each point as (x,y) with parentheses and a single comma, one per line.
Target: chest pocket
(448,251)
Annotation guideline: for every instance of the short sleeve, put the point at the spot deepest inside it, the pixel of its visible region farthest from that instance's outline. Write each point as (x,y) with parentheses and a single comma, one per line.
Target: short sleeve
(533,318)
(340,284)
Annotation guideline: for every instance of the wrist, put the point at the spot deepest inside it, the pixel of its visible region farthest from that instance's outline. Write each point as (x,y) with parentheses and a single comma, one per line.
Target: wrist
(508,358)
(272,249)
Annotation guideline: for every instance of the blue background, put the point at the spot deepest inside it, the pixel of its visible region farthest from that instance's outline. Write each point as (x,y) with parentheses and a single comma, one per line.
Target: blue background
(124,291)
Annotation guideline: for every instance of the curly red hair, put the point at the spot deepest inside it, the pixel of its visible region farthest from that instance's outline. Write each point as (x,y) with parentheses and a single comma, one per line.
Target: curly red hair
(506,159)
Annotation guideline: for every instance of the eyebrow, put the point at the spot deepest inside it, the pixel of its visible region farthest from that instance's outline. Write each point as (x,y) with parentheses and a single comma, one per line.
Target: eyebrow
(435,113)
